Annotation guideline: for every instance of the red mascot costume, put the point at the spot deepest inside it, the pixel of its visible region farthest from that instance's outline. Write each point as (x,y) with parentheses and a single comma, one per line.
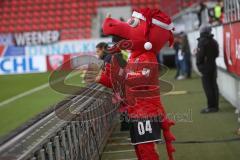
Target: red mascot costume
(144,35)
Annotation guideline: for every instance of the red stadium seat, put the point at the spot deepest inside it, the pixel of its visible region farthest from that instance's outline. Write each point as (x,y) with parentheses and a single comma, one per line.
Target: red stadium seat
(80,24)
(14,9)
(36,14)
(74,11)
(37,7)
(51,13)
(81,12)
(45,1)
(65,18)
(20,21)
(41,19)
(50,26)
(58,6)
(43,13)
(57,26)
(58,19)
(42,27)
(59,12)
(19,28)
(14,3)
(29,2)
(21,9)
(27,15)
(43,7)
(5,15)
(134,2)
(66,12)
(51,20)
(10,28)
(52,7)
(35,27)
(67,5)
(26,28)
(2,28)
(88,24)
(65,25)
(75,5)
(4,22)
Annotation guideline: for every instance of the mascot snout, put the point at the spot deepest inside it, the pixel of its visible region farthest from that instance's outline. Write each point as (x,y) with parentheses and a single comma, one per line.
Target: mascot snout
(115,27)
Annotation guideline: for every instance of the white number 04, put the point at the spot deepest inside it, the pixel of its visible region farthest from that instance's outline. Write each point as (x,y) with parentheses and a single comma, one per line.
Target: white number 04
(142,129)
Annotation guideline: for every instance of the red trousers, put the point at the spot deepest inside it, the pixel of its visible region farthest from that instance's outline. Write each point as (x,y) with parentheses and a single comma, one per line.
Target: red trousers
(146,151)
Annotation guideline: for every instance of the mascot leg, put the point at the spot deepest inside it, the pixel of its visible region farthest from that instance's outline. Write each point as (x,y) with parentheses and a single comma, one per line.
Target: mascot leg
(146,151)
(137,152)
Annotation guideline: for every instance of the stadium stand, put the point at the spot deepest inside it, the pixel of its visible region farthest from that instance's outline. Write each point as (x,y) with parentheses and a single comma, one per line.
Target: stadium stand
(69,16)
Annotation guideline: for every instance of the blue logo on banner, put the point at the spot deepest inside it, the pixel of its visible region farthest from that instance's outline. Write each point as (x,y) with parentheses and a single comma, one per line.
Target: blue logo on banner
(17,65)
(14,51)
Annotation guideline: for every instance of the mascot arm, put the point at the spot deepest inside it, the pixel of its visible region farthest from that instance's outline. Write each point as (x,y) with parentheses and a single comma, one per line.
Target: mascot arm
(104,77)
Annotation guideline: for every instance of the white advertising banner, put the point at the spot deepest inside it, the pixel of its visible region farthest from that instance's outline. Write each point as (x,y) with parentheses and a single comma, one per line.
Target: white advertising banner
(66,47)
(22,64)
(218,35)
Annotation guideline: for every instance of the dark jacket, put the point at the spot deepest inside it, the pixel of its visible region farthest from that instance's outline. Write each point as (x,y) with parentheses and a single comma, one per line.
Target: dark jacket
(176,47)
(185,46)
(207,53)
(106,59)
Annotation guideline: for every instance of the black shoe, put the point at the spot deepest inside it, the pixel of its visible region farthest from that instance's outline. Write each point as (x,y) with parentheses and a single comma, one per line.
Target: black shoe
(209,110)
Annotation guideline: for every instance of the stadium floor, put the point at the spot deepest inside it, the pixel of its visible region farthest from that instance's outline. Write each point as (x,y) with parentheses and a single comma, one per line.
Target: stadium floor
(25,96)
(191,126)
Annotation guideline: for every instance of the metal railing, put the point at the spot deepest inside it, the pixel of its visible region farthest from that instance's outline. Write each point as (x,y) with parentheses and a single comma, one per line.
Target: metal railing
(63,135)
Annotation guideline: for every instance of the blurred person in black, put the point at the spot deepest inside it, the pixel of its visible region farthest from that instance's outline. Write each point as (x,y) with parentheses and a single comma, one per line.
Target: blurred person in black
(179,58)
(203,12)
(199,14)
(176,48)
(207,52)
(187,55)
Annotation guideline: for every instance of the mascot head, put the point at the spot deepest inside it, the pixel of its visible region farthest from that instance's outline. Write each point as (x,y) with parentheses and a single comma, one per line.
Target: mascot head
(147,29)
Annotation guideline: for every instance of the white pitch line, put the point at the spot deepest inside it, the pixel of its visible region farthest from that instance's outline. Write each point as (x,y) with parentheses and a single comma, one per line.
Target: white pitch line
(14,98)
(23,94)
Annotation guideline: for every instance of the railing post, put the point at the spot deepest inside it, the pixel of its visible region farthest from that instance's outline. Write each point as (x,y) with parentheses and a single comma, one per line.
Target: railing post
(50,151)
(42,154)
(57,148)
